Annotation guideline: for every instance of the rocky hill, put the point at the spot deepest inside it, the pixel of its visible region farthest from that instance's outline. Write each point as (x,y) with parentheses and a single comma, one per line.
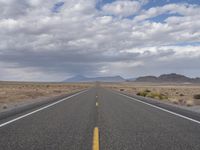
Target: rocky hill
(173,77)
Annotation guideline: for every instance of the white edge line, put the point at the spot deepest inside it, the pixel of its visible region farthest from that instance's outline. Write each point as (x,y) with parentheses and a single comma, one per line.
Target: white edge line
(42,108)
(165,110)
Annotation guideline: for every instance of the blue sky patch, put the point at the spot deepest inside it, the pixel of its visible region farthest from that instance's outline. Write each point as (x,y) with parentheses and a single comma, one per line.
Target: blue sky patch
(57,6)
(161,18)
(157,3)
(154,3)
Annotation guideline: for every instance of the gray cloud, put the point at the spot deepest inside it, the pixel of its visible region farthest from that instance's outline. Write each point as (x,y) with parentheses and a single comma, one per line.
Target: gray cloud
(38,44)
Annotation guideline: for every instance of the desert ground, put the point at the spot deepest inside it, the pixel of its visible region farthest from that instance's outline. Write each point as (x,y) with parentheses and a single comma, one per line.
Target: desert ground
(176,93)
(20,92)
(14,93)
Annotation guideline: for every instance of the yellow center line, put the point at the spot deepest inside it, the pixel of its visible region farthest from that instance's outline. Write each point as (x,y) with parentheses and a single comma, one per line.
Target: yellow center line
(95,145)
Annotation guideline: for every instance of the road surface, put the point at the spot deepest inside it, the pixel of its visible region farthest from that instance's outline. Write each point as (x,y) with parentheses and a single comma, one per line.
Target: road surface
(99,119)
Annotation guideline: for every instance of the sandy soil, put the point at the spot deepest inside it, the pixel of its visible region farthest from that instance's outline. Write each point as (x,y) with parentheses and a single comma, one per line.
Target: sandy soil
(14,93)
(180,94)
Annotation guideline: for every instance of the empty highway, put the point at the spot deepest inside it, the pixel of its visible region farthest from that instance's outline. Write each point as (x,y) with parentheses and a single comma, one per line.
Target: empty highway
(99,119)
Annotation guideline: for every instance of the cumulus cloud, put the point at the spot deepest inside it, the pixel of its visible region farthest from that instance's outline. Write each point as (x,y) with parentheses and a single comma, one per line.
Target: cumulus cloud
(183,9)
(37,43)
(122,8)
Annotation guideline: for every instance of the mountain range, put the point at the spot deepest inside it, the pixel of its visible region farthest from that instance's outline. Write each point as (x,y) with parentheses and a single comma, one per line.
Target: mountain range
(173,77)
(80,78)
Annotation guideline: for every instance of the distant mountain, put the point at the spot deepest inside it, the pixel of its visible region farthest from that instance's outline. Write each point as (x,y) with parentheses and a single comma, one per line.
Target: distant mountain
(131,79)
(77,78)
(80,78)
(146,79)
(108,79)
(173,77)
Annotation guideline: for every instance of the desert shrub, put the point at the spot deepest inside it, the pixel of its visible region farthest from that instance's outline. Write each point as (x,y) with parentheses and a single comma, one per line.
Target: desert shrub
(142,93)
(157,96)
(181,94)
(33,94)
(163,97)
(152,95)
(57,91)
(147,91)
(5,106)
(196,96)
(138,93)
(121,89)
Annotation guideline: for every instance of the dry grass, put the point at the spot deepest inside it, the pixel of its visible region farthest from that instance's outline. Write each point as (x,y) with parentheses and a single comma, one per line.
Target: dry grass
(13,92)
(181,94)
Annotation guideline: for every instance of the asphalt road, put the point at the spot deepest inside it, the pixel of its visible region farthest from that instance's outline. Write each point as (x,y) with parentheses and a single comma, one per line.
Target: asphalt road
(123,124)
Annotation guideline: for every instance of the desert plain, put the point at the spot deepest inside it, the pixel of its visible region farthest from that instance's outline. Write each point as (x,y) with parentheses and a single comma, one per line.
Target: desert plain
(14,93)
(177,93)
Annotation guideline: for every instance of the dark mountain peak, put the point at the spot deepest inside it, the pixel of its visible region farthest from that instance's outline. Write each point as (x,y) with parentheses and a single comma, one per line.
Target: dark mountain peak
(172,77)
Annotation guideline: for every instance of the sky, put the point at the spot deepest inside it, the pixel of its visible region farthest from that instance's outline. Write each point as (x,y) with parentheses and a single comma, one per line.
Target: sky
(42,40)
